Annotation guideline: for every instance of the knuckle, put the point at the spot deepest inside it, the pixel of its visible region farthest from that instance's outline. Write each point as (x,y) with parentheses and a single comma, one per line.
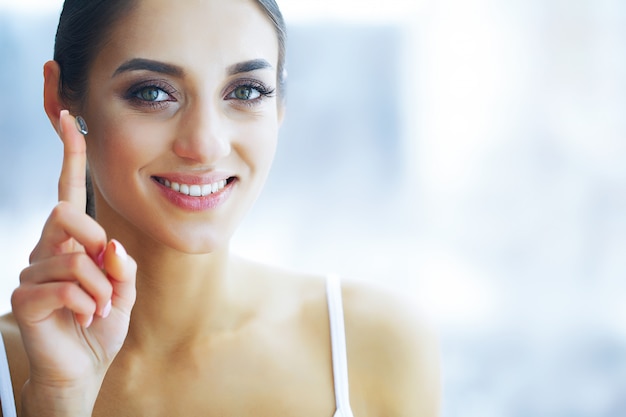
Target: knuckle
(76,262)
(59,210)
(24,275)
(66,292)
(17,298)
(99,230)
(33,255)
(59,213)
(62,212)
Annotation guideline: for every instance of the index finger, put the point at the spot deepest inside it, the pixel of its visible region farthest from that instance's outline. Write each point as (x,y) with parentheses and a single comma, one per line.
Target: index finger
(72,186)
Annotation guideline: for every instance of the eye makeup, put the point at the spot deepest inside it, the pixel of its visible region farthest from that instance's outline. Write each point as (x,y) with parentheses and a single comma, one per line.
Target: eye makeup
(152,94)
(248,92)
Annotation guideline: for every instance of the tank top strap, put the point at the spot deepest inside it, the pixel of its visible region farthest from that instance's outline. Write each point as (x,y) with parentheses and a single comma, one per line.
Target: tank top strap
(338,347)
(6,386)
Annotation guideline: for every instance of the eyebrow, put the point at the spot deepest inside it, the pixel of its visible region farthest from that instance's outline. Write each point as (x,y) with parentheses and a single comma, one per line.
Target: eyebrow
(248,66)
(142,64)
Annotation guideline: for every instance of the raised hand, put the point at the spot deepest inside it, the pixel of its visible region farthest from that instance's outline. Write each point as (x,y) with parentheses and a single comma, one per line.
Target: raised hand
(74,301)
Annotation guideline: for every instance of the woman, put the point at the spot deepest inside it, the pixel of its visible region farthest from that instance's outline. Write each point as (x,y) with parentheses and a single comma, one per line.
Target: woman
(142,310)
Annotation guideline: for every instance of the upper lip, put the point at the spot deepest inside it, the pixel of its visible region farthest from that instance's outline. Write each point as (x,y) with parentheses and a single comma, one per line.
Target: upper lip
(195,179)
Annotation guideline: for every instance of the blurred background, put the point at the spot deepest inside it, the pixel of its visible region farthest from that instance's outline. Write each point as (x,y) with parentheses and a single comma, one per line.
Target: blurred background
(470,153)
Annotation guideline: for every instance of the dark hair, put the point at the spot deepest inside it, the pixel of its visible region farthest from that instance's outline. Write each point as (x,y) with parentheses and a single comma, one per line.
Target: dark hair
(81,33)
(84,26)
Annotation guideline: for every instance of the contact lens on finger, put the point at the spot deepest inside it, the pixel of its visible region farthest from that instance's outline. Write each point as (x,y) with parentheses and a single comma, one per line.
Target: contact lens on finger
(81,125)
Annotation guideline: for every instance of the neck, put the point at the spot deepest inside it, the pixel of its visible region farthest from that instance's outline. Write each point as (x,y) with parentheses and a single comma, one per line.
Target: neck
(181,298)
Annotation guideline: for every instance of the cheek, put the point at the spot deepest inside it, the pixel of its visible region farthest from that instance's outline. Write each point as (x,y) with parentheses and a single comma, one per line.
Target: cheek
(259,145)
(119,152)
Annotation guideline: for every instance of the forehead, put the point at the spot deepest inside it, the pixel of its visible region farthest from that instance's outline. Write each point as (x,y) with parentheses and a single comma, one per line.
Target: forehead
(192,33)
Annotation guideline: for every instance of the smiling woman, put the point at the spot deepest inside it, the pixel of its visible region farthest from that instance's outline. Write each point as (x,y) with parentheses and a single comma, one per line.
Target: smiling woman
(182,132)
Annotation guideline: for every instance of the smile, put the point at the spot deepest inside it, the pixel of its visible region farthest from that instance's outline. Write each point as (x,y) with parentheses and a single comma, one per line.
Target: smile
(194,190)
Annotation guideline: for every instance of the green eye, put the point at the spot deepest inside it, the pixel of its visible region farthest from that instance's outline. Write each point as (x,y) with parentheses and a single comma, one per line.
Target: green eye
(150,94)
(246,93)
(155,94)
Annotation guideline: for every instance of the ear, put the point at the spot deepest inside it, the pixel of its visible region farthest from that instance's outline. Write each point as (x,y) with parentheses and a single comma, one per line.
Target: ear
(52,102)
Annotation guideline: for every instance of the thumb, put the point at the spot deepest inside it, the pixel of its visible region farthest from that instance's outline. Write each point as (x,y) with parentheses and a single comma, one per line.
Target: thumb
(121,270)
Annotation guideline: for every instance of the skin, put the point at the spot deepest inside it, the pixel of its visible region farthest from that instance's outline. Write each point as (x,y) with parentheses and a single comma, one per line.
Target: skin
(210,334)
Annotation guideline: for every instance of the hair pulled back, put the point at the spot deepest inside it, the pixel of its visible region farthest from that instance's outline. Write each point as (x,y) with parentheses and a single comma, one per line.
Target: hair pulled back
(83,30)
(85,25)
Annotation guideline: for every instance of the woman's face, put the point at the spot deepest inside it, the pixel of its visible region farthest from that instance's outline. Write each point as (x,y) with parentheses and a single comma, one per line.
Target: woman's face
(183,119)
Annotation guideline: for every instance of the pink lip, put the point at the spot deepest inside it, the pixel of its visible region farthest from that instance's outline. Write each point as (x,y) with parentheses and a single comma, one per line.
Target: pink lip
(190,203)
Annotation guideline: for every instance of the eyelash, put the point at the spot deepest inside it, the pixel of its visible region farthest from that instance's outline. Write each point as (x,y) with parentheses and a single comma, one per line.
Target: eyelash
(262,89)
(133,93)
(135,90)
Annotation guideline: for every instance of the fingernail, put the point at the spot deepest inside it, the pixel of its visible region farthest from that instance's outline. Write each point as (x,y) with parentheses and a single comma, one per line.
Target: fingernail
(107,310)
(81,125)
(100,259)
(89,322)
(119,249)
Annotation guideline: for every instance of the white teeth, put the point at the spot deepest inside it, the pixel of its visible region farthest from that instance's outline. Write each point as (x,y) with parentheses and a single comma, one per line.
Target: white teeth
(195,190)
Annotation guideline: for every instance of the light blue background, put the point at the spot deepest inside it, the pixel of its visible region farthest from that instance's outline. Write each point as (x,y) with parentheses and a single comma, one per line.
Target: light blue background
(471,154)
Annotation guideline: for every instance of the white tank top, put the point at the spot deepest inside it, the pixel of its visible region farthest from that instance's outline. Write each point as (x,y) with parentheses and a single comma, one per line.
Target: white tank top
(338,346)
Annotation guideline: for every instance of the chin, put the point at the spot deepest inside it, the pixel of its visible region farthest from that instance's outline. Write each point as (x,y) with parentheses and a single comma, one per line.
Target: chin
(198,242)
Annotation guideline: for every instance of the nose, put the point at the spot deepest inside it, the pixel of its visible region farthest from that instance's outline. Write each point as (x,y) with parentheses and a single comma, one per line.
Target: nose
(203,136)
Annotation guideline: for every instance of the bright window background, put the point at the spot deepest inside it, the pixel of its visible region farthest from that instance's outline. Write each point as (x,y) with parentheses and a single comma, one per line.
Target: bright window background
(470,153)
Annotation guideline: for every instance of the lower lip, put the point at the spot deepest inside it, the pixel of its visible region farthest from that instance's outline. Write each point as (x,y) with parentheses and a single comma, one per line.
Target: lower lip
(189,203)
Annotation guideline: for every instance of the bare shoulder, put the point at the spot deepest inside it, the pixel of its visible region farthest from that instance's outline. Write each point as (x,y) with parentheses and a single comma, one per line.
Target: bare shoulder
(393,353)
(18,361)
(9,329)
(13,344)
